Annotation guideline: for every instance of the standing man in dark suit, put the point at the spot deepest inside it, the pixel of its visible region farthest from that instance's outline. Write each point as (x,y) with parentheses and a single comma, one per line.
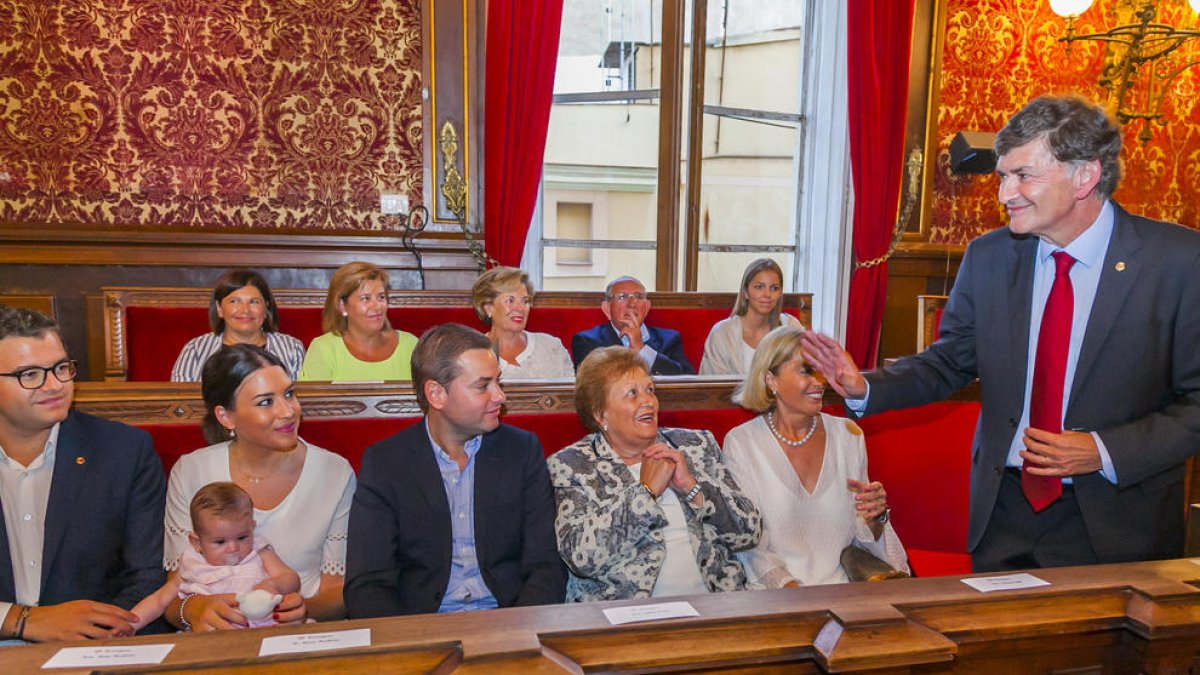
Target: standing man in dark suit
(457,512)
(82,499)
(625,306)
(1082,323)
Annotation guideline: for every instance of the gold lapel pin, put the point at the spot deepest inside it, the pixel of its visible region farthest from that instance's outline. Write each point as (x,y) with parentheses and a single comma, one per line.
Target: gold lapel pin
(80,460)
(1120,267)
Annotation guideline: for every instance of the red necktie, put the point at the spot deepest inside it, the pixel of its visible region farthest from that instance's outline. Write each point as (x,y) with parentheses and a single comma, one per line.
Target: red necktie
(1049,372)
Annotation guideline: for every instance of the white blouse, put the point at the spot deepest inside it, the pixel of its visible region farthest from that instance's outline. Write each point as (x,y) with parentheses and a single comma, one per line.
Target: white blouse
(544,356)
(803,533)
(307,529)
(726,353)
(679,574)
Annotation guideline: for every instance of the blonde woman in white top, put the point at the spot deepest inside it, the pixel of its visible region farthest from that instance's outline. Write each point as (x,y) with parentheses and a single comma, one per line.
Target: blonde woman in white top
(503,299)
(759,310)
(806,472)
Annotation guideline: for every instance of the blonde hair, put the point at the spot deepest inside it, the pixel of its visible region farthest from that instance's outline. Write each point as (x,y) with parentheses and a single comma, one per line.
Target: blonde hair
(347,279)
(776,349)
(596,374)
(743,300)
(492,283)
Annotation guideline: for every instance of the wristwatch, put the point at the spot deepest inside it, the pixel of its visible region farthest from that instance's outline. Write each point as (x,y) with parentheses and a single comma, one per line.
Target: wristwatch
(884,517)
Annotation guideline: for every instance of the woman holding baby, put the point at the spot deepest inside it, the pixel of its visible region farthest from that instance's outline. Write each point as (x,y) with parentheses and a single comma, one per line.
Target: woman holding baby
(301,494)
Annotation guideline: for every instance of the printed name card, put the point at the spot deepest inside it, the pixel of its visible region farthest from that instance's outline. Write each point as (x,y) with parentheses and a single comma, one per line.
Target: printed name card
(1007,582)
(665,610)
(315,642)
(105,657)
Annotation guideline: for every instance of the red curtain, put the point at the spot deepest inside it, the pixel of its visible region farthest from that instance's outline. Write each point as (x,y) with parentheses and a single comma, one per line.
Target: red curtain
(522,50)
(879,43)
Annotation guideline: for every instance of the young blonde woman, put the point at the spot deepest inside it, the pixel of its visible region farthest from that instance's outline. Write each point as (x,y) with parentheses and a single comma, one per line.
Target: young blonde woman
(759,310)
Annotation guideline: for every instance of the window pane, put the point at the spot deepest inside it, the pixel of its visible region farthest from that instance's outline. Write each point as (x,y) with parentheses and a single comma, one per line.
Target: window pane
(602,152)
(638,263)
(751,137)
(722,272)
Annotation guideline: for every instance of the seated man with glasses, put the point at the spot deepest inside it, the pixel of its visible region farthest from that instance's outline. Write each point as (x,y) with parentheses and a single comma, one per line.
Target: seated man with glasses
(82,497)
(626,306)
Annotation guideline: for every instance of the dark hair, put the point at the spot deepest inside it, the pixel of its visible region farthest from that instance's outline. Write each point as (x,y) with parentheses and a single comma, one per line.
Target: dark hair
(223,373)
(24,323)
(1075,130)
(220,499)
(598,371)
(232,281)
(436,356)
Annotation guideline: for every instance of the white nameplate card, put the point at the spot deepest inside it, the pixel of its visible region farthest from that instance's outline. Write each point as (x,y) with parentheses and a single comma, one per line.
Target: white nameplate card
(1008,582)
(1196,561)
(105,657)
(315,642)
(665,610)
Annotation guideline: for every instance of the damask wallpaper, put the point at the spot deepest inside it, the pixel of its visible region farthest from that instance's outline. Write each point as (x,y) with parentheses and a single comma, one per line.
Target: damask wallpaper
(247,114)
(999,54)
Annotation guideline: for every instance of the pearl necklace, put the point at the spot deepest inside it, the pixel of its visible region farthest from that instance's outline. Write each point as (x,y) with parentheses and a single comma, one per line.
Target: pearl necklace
(812,429)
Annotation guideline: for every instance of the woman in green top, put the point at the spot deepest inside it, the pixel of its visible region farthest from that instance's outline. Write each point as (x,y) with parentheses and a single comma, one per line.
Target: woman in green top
(359,343)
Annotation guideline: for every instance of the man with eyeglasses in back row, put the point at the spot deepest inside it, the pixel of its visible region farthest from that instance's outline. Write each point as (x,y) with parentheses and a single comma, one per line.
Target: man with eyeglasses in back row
(82,499)
(626,306)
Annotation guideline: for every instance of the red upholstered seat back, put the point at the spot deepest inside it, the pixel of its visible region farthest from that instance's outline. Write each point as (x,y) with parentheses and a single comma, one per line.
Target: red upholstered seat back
(156,335)
(923,457)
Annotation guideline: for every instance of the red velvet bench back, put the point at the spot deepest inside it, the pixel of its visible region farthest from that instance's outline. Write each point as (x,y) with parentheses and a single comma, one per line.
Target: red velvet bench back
(145,329)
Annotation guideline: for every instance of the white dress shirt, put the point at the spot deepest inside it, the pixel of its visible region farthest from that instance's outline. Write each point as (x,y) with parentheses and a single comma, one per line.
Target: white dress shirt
(25,493)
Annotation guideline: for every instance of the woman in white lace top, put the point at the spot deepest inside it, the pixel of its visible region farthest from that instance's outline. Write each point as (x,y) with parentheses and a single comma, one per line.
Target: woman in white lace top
(503,299)
(301,493)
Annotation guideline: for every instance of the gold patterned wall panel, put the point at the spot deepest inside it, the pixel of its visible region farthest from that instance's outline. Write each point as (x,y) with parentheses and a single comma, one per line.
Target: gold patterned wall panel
(245,114)
(999,54)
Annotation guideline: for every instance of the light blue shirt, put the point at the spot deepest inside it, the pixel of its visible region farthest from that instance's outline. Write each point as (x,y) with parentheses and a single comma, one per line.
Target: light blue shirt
(1088,250)
(646,354)
(466,590)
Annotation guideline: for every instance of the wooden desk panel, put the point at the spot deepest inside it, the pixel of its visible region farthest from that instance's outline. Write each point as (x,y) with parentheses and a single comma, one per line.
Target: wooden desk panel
(1136,617)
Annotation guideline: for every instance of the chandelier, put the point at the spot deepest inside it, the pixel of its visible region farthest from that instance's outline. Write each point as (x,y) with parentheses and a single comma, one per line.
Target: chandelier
(1134,92)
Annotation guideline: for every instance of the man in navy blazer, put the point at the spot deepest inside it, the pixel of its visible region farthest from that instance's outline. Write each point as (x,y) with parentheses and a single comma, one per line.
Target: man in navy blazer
(625,306)
(1131,391)
(82,499)
(457,512)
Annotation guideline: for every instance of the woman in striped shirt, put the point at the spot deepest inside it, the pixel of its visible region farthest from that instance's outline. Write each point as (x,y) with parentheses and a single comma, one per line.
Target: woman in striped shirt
(241,311)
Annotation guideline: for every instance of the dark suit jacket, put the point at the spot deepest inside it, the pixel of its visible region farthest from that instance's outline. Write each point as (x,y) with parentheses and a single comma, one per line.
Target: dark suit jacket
(399,543)
(1137,382)
(104,518)
(667,342)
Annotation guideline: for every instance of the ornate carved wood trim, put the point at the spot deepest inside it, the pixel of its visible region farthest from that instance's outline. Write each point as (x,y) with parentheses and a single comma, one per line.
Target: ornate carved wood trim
(144,403)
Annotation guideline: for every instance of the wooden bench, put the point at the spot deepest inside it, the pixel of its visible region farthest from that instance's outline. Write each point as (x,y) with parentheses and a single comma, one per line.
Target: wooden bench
(137,333)
(346,419)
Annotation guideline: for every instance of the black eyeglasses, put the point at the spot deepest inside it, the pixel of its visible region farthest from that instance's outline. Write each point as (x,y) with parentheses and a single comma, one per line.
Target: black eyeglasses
(34,377)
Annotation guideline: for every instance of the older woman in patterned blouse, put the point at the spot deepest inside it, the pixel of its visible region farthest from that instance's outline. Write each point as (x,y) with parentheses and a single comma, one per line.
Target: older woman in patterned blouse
(642,511)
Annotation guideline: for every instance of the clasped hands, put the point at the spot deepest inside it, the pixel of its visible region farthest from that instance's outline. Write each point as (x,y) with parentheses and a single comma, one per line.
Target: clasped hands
(663,467)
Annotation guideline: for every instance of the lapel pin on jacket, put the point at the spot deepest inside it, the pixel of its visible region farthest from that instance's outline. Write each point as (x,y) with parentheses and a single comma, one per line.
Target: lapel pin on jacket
(80,460)
(1120,267)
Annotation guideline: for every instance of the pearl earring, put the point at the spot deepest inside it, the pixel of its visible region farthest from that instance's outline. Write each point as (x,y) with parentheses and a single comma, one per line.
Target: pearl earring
(232,434)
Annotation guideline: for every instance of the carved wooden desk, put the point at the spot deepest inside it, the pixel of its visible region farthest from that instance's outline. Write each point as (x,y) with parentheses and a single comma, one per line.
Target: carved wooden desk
(1129,618)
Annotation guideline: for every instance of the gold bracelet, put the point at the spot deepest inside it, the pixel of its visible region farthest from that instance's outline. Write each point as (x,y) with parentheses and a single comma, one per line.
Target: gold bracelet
(24,616)
(649,489)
